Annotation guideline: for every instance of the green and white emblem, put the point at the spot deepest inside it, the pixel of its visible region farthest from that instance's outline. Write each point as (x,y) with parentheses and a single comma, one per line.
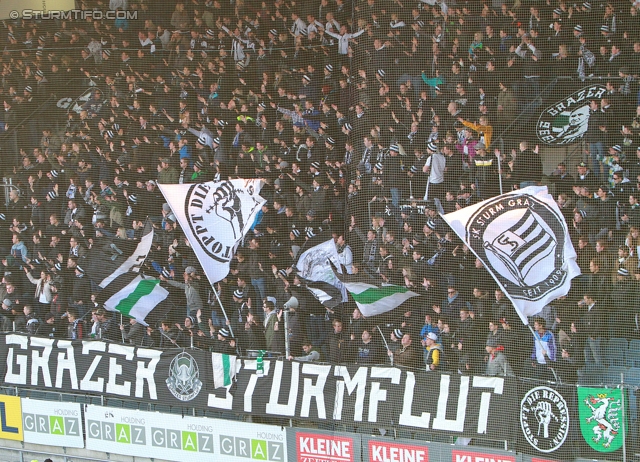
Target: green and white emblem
(601,417)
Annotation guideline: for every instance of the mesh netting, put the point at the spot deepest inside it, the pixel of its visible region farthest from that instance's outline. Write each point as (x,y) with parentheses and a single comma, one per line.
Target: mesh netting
(367,121)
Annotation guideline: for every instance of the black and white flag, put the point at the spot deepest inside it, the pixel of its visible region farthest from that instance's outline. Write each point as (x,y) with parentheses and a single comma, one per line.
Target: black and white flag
(522,239)
(117,257)
(315,270)
(215,217)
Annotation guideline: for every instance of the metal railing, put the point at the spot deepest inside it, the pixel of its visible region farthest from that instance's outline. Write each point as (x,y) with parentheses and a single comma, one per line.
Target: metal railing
(20,124)
(8,186)
(527,112)
(578,148)
(26,455)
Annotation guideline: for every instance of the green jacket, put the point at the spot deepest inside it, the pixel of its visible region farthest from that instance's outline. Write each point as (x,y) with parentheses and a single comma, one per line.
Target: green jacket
(168,176)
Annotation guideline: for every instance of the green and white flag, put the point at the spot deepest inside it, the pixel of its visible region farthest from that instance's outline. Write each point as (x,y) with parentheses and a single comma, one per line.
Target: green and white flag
(602,421)
(224,369)
(372,295)
(373,299)
(136,297)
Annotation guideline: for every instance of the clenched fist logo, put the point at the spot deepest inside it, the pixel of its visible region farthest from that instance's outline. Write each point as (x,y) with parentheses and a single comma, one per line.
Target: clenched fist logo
(227,206)
(544,414)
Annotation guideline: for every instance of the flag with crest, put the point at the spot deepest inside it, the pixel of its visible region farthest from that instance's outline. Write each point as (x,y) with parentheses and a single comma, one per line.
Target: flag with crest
(522,239)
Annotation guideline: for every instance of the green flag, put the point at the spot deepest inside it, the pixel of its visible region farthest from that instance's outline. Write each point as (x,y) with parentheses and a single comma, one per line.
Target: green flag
(601,417)
(137,297)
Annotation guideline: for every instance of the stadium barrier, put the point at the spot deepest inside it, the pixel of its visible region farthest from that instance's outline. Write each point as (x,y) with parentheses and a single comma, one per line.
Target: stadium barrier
(524,415)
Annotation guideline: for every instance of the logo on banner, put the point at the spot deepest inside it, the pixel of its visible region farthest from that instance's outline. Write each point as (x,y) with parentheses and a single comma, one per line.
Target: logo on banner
(52,424)
(522,239)
(467,456)
(601,419)
(252,448)
(544,418)
(313,446)
(216,216)
(566,121)
(10,418)
(184,377)
(384,451)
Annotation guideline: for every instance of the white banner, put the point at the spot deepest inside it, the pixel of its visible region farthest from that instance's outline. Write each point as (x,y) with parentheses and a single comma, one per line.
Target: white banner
(522,239)
(172,437)
(52,423)
(215,217)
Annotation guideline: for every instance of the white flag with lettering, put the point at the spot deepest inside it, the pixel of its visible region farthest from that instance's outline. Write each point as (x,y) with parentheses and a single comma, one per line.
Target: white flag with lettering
(523,240)
(215,217)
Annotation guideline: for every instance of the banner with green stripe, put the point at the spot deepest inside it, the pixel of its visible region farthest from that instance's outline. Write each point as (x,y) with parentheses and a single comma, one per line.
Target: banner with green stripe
(224,369)
(372,299)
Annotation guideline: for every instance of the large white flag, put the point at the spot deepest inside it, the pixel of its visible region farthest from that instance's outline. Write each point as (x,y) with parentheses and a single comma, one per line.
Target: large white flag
(523,240)
(215,217)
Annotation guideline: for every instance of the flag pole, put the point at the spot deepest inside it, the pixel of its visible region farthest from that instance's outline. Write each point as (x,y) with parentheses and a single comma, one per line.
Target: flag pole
(537,339)
(426,194)
(168,338)
(225,317)
(287,344)
(498,154)
(223,310)
(385,343)
(122,330)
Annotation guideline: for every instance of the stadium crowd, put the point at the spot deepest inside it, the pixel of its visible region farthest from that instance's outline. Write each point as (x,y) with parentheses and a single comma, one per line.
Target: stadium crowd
(352,112)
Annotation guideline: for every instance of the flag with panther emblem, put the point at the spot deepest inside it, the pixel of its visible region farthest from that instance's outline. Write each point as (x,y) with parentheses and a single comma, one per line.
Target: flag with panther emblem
(602,417)
(215,217)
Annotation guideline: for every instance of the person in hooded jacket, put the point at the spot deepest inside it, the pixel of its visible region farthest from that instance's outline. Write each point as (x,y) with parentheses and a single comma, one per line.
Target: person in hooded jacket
(497,362)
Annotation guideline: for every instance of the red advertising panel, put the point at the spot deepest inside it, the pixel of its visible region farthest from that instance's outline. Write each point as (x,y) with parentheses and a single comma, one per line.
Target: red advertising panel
(468,456)
(313,447)
(389,451)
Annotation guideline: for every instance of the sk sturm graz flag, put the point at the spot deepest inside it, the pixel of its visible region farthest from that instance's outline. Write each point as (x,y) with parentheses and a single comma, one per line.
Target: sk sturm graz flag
(523,240)
(565,118)
(215,217)
(602,418)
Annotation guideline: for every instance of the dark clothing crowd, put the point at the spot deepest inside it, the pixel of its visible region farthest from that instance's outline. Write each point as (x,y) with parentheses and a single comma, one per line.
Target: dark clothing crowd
(366,120)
